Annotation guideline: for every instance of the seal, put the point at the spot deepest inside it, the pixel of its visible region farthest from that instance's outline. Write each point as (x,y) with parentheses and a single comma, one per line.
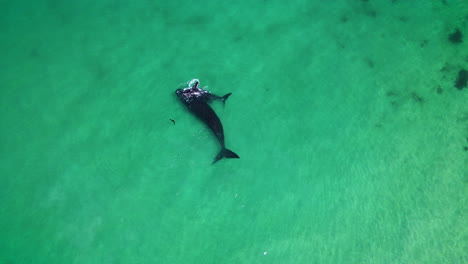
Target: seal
(196,100)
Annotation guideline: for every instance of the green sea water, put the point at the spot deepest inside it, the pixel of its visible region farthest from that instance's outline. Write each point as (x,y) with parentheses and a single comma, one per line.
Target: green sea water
(351,135)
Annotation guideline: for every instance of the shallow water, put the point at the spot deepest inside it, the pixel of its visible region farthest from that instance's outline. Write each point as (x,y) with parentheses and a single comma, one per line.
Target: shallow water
(351,134)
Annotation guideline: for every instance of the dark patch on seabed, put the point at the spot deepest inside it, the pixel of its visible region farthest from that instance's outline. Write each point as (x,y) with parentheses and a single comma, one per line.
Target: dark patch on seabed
(462,79)
(456,37)
(396,99)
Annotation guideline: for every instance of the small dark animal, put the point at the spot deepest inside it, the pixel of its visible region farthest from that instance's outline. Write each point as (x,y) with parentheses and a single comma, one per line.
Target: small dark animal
(196,100)
(172,121)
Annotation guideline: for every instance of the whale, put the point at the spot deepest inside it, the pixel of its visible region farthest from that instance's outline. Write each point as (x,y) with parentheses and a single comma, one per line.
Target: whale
(196,99)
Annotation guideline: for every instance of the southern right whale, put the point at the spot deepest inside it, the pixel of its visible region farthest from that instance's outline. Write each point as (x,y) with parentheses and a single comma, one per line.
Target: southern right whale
(196,100)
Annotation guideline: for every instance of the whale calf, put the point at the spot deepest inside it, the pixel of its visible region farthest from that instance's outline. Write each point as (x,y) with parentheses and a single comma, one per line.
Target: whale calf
(196,100)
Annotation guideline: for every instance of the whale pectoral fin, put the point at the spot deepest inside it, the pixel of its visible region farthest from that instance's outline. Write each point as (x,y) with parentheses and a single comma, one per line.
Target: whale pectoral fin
(221,98)
(225,97)
(225,153)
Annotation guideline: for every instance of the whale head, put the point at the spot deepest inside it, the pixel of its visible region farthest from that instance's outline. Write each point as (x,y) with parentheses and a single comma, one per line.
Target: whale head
(190,91)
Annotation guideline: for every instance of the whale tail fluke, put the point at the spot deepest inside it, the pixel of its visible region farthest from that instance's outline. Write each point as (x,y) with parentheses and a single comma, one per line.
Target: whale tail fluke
(225,97)
(225,153)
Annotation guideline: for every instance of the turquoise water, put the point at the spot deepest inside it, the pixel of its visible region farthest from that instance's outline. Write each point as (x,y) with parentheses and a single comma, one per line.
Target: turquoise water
(351,134)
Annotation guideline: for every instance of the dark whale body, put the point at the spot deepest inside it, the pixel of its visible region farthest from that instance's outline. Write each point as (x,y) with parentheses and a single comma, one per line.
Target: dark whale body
(196,100)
